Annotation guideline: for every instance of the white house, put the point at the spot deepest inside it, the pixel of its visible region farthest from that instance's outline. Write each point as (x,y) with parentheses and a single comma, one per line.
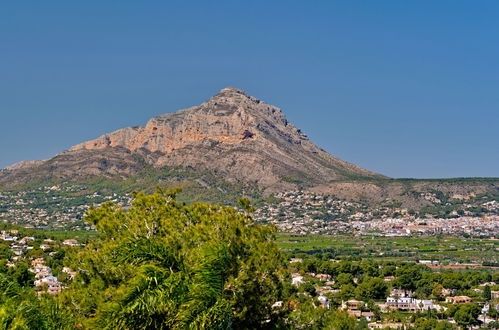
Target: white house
(296,279)
(324,301)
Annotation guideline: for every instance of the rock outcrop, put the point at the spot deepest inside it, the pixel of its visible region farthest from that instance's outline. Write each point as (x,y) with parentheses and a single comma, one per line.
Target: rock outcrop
(232,139)
(24,165)
(234,135)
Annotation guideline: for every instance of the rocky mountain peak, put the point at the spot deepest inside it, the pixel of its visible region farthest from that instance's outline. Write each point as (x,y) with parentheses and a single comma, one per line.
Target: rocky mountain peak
(233,95)
(232,100)
(228,91)
(230,117)
(233,134)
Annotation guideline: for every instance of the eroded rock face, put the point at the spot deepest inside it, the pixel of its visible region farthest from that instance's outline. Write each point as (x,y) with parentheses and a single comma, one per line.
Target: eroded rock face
(236,138)
(230,117)
(232,135)
(236,135)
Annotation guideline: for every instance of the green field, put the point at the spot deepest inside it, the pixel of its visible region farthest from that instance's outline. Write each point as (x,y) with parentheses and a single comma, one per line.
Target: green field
(445,250)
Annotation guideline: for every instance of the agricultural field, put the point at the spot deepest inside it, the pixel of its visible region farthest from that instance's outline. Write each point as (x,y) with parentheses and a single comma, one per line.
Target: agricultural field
(443,251)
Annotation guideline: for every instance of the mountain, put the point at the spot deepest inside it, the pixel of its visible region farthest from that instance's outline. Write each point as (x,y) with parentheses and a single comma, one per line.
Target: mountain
(232,135)
(231,145)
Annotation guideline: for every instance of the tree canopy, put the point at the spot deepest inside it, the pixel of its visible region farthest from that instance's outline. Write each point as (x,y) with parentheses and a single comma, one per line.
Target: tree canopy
(162,264)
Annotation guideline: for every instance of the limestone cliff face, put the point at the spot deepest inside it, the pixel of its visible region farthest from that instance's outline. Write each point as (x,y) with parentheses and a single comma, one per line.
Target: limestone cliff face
(230,117)
(234,135)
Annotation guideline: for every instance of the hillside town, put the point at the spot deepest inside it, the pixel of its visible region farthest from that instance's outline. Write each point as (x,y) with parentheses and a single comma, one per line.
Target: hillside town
(330,292)
(304,213)
(298,212)
(31,251)
(59,207)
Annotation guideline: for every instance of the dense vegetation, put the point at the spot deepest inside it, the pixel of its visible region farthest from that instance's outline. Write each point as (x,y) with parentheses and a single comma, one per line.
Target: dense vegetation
(162,264)
(438,248)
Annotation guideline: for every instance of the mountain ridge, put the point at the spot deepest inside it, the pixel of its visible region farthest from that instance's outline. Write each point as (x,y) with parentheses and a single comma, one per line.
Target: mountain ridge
(235,137)
(232,134)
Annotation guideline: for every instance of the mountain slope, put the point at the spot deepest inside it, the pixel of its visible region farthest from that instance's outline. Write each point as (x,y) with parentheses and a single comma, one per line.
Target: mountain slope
(232,135)
(229,146)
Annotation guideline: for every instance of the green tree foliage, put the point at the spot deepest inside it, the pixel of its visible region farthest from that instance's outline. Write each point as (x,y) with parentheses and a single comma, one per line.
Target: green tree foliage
(424,288)
(375,309)
(347,291)
(22,276)
(344,279)
(487,293)
(5,251)
(467,315)
(389,270)
(20,308)
(307,316)
(370,269)
(493,313)
(309,288)
(407,277)
(432,324)
(162,264)
(374,288)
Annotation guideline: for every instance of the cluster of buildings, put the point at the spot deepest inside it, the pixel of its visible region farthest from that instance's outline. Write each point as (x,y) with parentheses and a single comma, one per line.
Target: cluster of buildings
(357,309)
(308,213)
(297,280)
(487,226)
(404,300)
(296,212)
(397,300)
(45,281)
(304,213)
(55,207)
(18,245)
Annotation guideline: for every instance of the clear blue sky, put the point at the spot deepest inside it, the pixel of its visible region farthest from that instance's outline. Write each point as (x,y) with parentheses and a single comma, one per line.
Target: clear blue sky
(404,88)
